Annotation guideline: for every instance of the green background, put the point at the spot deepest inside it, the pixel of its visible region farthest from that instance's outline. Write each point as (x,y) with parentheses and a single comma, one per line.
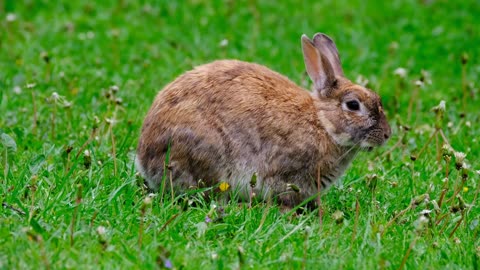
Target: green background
(64,208)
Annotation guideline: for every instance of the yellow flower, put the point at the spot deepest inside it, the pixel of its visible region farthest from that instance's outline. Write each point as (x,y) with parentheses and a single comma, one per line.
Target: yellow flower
(465,189)
(224,186)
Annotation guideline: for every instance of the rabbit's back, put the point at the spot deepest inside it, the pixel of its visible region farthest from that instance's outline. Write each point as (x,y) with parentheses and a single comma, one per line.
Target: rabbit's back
(227,120)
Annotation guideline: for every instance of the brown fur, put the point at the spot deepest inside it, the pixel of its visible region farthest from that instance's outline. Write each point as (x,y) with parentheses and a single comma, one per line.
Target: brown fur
(226,120)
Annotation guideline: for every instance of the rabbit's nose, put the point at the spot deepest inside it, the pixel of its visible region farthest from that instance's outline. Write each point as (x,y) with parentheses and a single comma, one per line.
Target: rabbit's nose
(387,132)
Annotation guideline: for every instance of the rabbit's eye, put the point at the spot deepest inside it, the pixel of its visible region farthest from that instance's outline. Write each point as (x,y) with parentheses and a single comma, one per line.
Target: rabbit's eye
(353,105)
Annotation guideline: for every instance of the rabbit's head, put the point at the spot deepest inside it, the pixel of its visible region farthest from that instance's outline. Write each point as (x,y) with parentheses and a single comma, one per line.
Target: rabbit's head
(351,114)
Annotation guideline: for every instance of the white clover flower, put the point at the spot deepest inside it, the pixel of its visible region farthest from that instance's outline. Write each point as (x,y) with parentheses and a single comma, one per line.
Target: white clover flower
(11,17)
(441,106)
(223,43)
(420,223)
(101,230)
(425,212)
(55,96)
(147,200)
(362,80)
(17,90)
(419,83)
(111,121)
(459,157)
(114,88)
(338,216)
(67,104)
(447,148)
(90,35)
(400,72)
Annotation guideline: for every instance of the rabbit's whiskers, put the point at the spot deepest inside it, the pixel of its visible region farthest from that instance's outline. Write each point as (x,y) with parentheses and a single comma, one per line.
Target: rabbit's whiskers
(355,146)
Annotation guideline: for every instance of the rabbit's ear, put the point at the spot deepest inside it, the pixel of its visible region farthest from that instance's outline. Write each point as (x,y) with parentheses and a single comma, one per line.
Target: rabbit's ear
(327,48)
(318,67)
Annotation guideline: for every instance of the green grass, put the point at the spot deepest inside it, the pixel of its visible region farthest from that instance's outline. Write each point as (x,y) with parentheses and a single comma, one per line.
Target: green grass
(64,208)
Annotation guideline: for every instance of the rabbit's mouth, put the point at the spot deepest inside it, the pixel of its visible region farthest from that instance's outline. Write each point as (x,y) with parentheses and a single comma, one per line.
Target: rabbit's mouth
(367,145)
(370,142)
(373,137)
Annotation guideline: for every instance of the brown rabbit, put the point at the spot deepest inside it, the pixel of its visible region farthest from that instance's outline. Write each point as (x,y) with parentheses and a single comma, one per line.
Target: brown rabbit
(227,120)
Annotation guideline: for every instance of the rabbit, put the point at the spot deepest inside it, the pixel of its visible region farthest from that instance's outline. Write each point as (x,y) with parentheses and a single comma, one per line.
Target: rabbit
(228,120)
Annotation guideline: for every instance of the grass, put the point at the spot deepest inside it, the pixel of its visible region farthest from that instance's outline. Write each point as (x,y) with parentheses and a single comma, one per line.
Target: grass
(76,79)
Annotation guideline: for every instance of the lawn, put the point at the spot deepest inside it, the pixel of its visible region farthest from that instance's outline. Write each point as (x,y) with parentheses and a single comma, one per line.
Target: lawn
(77,78)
